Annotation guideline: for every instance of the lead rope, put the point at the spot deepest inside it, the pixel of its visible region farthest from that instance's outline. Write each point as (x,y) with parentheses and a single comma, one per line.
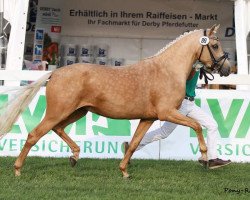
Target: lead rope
(204,73)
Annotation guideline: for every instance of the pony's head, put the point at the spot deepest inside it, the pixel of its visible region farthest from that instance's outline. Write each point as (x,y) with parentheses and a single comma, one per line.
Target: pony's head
(212,54)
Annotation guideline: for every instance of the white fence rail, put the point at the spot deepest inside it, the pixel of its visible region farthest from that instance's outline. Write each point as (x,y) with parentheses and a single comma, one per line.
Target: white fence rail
(32,75)
(18,75)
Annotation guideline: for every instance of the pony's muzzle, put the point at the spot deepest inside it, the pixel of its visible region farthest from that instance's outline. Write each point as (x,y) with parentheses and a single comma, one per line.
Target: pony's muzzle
(226,67)
(225,71)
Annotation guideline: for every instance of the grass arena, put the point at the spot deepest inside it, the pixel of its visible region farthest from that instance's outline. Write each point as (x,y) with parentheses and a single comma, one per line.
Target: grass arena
(53,178)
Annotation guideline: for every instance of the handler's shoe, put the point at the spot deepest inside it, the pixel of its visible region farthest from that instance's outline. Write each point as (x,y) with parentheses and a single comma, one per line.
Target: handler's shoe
(216,163)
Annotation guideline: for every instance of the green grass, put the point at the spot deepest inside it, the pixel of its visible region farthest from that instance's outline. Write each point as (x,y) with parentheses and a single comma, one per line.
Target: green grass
(53,178)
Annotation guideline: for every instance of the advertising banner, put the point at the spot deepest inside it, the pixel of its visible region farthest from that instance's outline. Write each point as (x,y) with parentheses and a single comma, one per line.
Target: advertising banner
(47,33)
(101,137)
(145,18)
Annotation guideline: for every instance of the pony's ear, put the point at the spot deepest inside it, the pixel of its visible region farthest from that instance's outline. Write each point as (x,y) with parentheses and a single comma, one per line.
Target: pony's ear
(216,28)
(213,29)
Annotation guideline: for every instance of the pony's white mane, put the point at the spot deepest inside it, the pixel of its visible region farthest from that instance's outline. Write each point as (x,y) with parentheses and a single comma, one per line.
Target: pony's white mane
(173,42)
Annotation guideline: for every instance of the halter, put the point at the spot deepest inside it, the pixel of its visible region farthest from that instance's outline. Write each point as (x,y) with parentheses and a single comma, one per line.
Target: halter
(215,64)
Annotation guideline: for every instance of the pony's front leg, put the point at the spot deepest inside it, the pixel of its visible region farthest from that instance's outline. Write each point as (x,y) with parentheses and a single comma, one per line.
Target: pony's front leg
(175,117)
(142,128)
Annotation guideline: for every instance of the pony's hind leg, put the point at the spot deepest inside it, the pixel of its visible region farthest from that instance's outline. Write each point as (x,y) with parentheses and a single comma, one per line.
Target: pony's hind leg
(44,127)
(59,130)
(50,120)
(142,128)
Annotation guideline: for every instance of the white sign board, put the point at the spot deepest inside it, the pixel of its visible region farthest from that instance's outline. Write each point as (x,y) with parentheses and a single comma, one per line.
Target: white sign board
(145,18)
(100,137)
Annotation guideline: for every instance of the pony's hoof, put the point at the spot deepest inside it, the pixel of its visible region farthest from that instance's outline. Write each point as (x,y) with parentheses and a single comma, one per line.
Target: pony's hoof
(126,176)
(17,172)
(73,161)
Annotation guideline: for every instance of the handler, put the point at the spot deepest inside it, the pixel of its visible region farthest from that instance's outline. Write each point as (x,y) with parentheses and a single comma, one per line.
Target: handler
(190,109)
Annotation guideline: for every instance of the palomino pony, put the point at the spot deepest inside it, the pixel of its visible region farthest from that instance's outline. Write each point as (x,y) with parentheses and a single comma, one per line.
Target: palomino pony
(149,90)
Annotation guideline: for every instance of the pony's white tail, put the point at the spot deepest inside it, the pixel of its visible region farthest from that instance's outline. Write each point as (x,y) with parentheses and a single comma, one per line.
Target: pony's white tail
(12,109)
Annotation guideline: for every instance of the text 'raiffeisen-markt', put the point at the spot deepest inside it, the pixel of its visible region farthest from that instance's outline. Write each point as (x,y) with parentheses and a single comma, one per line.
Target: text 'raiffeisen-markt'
(146,15)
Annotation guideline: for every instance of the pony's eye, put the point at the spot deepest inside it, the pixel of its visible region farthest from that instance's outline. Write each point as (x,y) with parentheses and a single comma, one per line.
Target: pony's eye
(215,46)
